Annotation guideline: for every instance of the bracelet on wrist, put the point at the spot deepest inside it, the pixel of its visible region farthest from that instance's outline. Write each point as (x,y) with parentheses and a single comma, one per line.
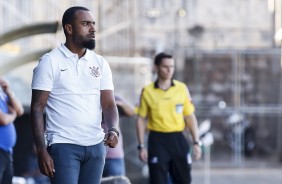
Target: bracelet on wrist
(114,130)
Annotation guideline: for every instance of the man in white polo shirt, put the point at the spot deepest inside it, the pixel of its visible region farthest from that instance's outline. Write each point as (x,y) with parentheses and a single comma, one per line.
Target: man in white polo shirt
(74,86)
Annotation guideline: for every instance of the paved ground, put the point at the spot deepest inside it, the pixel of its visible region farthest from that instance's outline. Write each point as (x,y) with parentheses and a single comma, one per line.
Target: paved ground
(249,172)
(238,176)
(232,176)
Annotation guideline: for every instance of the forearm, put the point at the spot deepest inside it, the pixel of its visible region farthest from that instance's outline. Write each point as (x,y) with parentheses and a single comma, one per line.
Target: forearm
(192,124)
(5,119)
(15,103)
(140,129)
(38,103)
(109,108)
(38,128)
(128,109)
(111,116)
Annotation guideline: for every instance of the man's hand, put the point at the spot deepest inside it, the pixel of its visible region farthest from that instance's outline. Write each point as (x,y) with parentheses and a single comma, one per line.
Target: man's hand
(143,154)
(45,162)
(111,139)
(197,151)
(4,85)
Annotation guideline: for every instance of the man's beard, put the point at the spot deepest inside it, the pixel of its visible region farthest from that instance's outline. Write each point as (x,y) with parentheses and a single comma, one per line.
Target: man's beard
(89,44)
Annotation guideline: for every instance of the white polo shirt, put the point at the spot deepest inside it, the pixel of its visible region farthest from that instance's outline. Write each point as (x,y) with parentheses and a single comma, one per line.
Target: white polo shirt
(73,110)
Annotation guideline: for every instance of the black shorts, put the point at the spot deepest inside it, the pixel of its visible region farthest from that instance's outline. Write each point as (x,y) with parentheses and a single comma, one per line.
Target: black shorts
(169,153)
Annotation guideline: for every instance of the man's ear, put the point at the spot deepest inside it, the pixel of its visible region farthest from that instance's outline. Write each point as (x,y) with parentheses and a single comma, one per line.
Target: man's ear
(68,28)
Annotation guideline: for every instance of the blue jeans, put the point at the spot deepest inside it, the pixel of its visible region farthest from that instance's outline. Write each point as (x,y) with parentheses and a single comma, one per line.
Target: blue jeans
(114,167)
(6,167)
(76,164)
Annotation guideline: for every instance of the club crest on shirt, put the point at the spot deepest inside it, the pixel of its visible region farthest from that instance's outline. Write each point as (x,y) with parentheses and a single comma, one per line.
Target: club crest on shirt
(94,71)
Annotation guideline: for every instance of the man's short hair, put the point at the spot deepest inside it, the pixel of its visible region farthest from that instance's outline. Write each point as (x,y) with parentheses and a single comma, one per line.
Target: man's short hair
(69,15)
(159,57)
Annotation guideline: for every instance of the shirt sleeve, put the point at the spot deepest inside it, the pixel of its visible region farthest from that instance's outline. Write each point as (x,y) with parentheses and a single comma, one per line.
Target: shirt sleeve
(188,108)
(107,79)
(43,77)
(142,110)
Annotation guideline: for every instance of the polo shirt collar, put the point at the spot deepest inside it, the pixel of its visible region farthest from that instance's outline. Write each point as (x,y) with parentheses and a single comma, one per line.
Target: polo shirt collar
(69,54)
(157,86)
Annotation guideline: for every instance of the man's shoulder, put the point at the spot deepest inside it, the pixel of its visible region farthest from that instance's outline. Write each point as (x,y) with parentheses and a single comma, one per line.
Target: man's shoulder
(94,57)
(53,53)
(149,86)
(57,50)
(148,89)
(179,83)
(180,86)
(51,56)
(92,53)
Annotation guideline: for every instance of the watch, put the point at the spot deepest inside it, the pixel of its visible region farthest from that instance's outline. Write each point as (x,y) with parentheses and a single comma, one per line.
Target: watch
(199,143)
(140,146)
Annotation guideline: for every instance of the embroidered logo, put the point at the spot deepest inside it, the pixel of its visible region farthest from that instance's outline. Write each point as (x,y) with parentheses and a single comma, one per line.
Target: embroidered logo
(94,71)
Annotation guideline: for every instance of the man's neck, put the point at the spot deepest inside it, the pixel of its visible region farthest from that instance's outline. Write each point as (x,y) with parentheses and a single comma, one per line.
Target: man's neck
(164,84)
(79,51)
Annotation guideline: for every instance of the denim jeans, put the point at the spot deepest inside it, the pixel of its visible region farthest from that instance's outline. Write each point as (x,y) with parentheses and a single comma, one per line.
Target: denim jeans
(6,167)
(76,164)
(114,167)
